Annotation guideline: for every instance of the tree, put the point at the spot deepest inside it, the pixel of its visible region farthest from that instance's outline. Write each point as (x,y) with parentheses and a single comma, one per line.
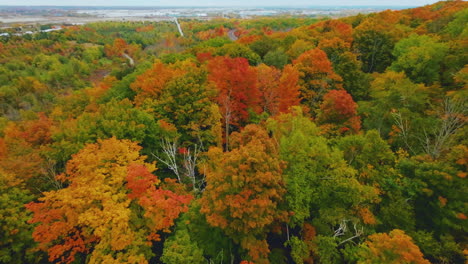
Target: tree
(375,162)
(334,47)
(264,45)
(419,57)
(113,208)
(346,64)
(456,28)
(374,40)
(187,103)
(443,250)
(244,190)
(315,174)
(118,119)
(235,81)
(120,47)
(279,89)
(332,28)
(339,109)
(289,89)
(453,118)
(277,58)
(220,31)
(237,50)
(15,234)
(267,82)
(299,47)
(437,207)
(322,190)
(151,83)
(316,75)
(397,109)
(180,249)
(21,154)
(216,246)
(365,151)
(395,247)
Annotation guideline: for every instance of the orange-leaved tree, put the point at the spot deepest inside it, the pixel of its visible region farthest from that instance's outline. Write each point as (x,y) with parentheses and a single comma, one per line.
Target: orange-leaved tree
(112,208)
(244,189)
(339,110)
(151,83)
(395,247)
(20,149)
(280,89)
(237,90)
(120,47)
(332,28)
(317,76)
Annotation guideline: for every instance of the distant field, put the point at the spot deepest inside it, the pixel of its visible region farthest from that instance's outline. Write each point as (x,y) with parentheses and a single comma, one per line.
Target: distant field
(78,15)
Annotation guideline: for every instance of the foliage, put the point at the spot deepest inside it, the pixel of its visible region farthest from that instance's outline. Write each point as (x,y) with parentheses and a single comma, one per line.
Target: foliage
(15,234)
(304,140)
(180,249)
(423,54)
(109,185)
(317,76)
(339,109)
(244,188)
(187,103)
(393,247)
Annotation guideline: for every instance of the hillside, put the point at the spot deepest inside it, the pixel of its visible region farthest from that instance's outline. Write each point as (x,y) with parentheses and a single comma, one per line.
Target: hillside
(268,140)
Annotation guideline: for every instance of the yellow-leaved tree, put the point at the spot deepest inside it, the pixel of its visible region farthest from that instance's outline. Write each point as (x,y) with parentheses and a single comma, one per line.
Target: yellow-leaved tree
(112,209)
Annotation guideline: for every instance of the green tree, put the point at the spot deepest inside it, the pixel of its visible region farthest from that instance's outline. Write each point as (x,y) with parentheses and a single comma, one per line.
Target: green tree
(419,57)
(236,50)
(398,110)
(16,241)
(374,41)
(187,102)
(113,119)
(179,248)
(316,174)
(277,58)
(264,45)
(355,82)
(439,201)
(372,157)
(457,27)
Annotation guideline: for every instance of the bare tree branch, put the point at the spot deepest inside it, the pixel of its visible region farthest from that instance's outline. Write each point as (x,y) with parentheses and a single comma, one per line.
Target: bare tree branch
(453,117)
(403,125)
(343,229)
(185,167)
(170,151)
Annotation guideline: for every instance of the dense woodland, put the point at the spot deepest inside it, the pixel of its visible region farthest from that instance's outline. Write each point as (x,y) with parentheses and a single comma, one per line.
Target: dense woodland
(302,141)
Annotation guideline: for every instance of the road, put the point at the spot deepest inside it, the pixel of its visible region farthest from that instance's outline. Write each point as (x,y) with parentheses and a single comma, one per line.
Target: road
(130,59)
(178,26)
(232,34)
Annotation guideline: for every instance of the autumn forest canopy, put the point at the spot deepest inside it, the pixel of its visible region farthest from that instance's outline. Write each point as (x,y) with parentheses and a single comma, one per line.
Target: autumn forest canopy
(254,141)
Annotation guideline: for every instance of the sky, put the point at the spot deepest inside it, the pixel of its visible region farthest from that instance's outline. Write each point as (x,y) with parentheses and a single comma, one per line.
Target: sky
(218,3)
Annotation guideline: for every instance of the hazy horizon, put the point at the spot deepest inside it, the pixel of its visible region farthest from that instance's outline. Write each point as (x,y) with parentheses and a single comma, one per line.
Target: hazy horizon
(211,3)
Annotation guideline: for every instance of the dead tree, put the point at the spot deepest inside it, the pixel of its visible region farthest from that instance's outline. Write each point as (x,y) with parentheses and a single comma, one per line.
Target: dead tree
(453,117)
(343,229)
(185,168)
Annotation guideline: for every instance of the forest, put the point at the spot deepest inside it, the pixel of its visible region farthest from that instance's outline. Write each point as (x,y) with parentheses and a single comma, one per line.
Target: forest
(253,141)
